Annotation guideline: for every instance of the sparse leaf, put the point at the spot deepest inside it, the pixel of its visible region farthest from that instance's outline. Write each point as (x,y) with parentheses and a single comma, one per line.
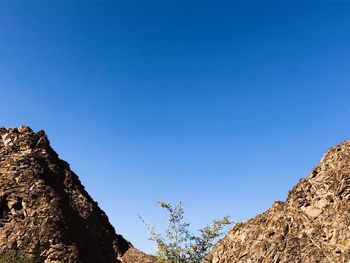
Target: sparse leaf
(177,244)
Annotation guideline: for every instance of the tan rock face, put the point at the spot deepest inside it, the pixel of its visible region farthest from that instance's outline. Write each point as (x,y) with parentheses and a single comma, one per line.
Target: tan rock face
(313,225)
(45,211)
(133,255)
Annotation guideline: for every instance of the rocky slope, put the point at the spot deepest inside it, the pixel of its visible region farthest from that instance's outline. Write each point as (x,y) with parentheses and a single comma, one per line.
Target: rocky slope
(313,225)
(45,212)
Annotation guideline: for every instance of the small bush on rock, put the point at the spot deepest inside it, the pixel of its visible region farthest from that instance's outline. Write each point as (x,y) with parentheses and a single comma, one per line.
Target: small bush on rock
(178,244)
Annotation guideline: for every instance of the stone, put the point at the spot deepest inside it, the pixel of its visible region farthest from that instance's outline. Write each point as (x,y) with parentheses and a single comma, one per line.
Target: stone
(45,212)
(312,225)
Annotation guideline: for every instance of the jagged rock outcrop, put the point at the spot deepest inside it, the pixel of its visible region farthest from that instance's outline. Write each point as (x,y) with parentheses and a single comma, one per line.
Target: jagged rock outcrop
(313,225)
(45,212)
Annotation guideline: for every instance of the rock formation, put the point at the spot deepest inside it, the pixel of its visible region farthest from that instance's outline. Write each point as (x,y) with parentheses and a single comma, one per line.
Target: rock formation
(46,214)
(313,225)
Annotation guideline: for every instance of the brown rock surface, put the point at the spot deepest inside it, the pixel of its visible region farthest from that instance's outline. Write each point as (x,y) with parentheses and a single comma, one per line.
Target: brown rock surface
(133,255)
(313,225)
(45,211)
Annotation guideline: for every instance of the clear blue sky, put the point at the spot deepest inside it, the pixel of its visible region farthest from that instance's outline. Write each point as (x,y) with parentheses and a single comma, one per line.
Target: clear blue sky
(221,105)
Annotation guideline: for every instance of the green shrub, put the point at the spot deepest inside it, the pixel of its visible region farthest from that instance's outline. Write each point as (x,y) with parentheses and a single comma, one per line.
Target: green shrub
(178,244)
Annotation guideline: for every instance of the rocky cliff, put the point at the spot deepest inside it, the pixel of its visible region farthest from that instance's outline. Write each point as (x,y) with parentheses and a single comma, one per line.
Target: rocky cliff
(45,212)
(313,225)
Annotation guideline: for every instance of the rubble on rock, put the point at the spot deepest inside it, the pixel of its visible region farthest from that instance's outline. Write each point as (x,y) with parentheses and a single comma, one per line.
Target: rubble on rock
(45,212)
(313,225)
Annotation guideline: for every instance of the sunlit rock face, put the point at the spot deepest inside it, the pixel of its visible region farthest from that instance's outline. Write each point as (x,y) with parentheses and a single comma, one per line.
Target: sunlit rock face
(313,225)
(45,213)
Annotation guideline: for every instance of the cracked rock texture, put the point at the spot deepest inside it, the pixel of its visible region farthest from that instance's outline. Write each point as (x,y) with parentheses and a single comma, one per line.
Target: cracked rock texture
(313,225)
(45,211)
